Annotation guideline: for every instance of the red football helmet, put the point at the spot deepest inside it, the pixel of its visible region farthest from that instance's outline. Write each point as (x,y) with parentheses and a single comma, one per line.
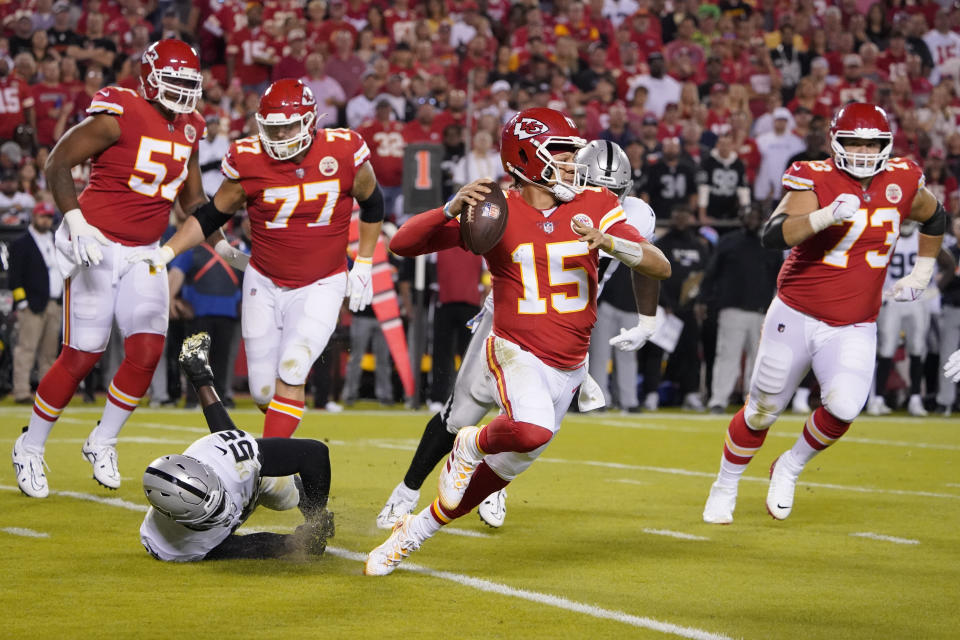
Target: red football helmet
(170,75)
(864,122)
(287,102)
(527,144)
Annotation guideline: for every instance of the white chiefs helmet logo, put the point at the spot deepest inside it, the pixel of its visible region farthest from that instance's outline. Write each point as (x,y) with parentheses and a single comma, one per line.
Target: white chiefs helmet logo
(307,98)
(528,128)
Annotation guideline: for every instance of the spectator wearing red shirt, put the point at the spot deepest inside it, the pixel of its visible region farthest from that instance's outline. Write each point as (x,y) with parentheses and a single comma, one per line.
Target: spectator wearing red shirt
(82,97)
(645,31)
(50,98)
(345,66)
(574,23)
(744,145)
(17,106)
(893,60)
(293,63)
(422,128)
(251,53)
(121,28)
(940,181)
(683,45)
(336,21)
(455,111)
(853,87)
(400,20)
(385,137)
(718,115)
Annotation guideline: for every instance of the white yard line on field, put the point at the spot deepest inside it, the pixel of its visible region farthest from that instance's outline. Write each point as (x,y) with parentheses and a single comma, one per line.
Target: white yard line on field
(474,583)
(547,599)
(673,534)
(26,533)
(705,474)
(879,536)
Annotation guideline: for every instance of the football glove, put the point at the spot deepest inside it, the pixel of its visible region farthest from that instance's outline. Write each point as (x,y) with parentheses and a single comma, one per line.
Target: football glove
(951,370)
(911,286)
(84,238)
(360,284)
(635,337)
(156,257)
(234,257)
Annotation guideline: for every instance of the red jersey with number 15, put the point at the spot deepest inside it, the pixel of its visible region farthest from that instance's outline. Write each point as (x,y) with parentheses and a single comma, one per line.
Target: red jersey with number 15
(299,211)
(134,181)
(545,278)
(837,275)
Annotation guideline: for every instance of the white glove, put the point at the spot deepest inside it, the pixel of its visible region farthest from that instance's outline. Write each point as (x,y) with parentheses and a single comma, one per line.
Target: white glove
(911,286)
(234,257)
(635,337)
(84,238)
(951,370)
(360,284)
(156,257)
(843,207)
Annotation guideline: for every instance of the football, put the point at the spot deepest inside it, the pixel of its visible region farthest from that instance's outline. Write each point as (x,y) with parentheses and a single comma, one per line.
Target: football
(482,225)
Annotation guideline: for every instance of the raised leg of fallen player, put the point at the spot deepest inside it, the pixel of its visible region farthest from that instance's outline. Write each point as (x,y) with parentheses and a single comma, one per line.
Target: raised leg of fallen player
(277,458)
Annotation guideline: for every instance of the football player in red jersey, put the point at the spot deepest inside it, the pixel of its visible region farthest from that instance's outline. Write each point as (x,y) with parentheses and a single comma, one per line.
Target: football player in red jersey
(841,217)
(143,149)
(298,185)
(544,287)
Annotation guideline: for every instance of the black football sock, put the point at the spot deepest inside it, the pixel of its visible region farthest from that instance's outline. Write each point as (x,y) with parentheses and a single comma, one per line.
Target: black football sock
(884,365)
(916,374)
(435,443)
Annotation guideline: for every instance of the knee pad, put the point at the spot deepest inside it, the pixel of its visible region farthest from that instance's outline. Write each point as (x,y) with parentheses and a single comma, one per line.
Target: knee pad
(510,464)
(78,364)
(143,350)
(760,416)
(294,365)
(772,368)
(846,397)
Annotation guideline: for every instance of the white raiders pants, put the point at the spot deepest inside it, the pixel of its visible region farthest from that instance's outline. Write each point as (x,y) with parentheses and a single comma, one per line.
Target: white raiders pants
(285,330)
(527,390)
(842,359)
(134,293)
(472,394)
(913,318)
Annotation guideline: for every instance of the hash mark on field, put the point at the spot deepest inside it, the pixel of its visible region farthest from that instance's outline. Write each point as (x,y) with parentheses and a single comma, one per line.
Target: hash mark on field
(475,583)
(878,536)
(26,533)
(547,599)
(673,534)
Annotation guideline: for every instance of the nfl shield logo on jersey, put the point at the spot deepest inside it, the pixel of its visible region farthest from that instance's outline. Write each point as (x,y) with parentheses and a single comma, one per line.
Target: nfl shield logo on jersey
(300,172)
(546,226)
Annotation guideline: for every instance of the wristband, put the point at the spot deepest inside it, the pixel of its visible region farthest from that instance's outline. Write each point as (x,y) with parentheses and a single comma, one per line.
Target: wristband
(363,260)
(446,210)
(821,219)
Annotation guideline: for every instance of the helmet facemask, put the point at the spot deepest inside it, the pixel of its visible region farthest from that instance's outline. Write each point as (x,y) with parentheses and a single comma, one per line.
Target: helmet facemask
(178,90)
(861,165)
(272,127)
(553,171)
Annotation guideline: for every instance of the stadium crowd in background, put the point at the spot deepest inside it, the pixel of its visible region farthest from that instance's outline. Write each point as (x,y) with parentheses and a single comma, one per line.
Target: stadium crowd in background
(711,101)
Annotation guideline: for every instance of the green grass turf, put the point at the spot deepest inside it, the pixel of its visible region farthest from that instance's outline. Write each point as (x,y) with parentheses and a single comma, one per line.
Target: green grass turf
(578,528)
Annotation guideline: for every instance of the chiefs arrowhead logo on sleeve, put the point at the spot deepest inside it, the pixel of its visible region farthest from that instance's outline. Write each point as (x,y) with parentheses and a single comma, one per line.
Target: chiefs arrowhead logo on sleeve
(528,127)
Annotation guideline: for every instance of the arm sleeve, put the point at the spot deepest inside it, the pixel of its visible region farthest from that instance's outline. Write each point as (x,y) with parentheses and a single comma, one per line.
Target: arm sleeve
(257,546)
(425,233)
(309,458)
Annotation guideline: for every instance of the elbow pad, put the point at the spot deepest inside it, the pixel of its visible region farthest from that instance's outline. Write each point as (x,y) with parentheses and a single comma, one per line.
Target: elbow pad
(771,236)
(936,224)
(211,218)
(371,209)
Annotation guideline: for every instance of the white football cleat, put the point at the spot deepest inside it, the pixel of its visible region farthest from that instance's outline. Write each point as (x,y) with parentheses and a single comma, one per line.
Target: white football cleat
(783,484)
(915,406)
(720,504)
(652,401)
(385,558)
(103,457)
(457,471)
(877,407)
(402,501)
(28,467)
(278,493)
(493,510)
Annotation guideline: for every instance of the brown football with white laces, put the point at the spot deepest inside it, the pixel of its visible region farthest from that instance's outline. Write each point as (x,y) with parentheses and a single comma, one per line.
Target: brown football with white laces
(482,224)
